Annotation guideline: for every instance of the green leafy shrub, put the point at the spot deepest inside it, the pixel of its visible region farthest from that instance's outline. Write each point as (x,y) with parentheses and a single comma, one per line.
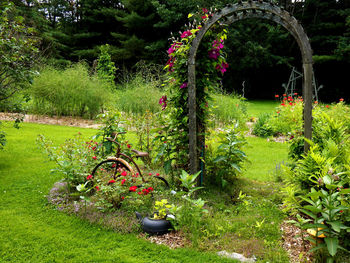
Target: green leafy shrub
(74,159)
(69,92)
(225,163)
(261,127)
(106,69)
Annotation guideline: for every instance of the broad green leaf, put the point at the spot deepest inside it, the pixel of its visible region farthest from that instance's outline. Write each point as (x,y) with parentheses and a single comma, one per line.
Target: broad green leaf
(332,245)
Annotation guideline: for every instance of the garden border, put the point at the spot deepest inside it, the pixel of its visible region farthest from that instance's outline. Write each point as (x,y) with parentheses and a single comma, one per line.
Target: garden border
(230,14)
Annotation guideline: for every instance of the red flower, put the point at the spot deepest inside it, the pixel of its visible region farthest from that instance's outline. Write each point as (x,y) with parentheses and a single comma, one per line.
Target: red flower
(164,141)
(150,189)
(341,99)
(123,181)
(97,188)
(341,211)
(296,94)
(114,165)
(204,17)
(139,193)
(124,173)
(205,10)
(133,188)
(283,104)
(94,148)
(316,102)
(111,181)
(157,174)
(89,177)
(128,145)
(137,174)
(276,96)
(327,106)
(285,98)
(290,103)
(123,197)
(94,157)
(284,95)
(150,174)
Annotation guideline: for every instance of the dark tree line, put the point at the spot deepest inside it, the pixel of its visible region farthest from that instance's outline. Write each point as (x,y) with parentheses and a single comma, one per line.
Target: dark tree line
(261,53)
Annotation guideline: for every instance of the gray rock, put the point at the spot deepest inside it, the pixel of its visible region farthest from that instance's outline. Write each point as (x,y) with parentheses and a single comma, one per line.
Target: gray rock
(236,256)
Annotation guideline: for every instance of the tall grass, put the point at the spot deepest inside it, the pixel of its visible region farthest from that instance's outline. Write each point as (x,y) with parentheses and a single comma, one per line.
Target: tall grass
(228,108)
(138,95)
(69,92)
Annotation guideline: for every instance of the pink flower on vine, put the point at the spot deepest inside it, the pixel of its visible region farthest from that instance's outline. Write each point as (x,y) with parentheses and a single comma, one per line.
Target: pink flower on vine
(205,10)
(186,34)
(218,44)
(223,67)
(171,50)
(184,85)
(214,54)
(163,102)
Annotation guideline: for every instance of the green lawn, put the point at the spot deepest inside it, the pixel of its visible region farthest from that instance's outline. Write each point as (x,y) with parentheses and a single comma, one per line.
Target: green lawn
(256,107)
(31,230)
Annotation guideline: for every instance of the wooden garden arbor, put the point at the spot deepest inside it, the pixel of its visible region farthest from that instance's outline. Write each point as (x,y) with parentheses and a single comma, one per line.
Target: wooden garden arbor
(228,15)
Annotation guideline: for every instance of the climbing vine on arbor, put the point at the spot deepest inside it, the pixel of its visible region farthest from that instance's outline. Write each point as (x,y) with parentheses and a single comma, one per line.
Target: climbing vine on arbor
(211,65)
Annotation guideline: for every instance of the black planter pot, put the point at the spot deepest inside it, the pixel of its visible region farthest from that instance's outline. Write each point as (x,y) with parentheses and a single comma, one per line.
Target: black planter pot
(154,226)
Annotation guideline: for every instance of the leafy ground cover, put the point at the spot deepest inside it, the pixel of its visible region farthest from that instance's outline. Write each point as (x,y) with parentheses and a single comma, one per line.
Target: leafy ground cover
(32,230)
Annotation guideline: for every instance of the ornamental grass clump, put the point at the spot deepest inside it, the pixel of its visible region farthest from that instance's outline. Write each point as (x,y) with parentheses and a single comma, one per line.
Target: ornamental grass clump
(69,92)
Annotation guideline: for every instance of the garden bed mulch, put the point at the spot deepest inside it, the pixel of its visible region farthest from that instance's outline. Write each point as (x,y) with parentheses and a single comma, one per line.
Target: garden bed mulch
(65,121)
(293,243)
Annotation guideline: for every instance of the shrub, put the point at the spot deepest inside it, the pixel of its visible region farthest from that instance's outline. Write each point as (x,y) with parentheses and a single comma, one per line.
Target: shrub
(69,92)
(262,128)
(225,162)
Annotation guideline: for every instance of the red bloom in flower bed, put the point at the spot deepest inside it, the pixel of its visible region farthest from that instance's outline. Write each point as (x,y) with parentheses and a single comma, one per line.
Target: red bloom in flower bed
(184,85)
(123,181)
(94,148)
(327,106)
(94,157)
(124,173)
(89,177)
(111,181)
(284,95)
(150,174)
(150,189)
(133,188)
(157,174)
(128,145)
(97,188)
(114,165)
(290,103)
(276,96)
(283,104)
(341,99)
(123,197)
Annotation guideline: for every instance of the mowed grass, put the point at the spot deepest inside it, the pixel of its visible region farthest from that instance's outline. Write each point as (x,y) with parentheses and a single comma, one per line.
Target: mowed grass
(263,157)
(257,107)
(31,230)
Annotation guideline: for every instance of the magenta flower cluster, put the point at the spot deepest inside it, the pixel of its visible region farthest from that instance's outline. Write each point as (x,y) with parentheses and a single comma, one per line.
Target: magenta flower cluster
(163,102)
(222,67)
(214,53)
(184,85)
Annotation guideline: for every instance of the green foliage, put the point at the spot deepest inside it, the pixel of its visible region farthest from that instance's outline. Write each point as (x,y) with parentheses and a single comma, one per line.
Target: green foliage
(106,69)
(326,209)
(225,163)
(227,108)
(137,95)
(74,159)
(261,127)
(18,52)
(71,92)
(111,123)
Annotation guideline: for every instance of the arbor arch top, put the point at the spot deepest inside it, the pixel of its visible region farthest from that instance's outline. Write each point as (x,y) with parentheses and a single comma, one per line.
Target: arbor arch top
(228,15)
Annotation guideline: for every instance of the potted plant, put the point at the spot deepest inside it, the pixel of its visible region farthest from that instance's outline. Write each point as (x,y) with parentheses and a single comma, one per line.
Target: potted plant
(157,224)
